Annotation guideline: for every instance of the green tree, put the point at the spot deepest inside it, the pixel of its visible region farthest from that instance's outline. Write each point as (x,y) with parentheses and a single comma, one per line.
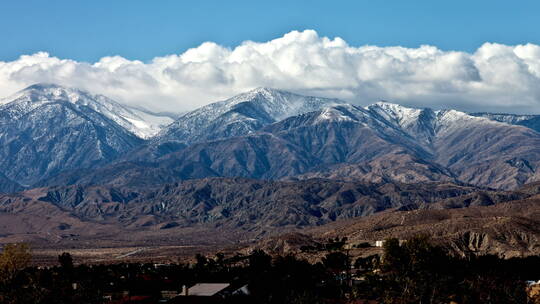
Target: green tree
(416,271)
(336,261)
(259,261)
(201,261)
(18,286)
(14,258)
(66,261)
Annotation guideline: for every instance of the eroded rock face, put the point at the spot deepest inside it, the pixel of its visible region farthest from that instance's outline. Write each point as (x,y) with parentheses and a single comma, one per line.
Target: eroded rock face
(252,205)
(508,229)
(473,242)
(502,242)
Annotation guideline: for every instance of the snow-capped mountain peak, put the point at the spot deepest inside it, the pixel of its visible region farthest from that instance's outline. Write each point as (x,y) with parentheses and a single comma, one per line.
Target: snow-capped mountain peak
(44,92)
(338,114)
(453,119)
(279,104)
(139,122)
(47,129)
(513,119)
(400,115)
(405,117)
(241,114)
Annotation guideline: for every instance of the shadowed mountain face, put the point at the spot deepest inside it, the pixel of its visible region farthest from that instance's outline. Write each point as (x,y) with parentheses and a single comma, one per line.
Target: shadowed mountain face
(251,205)
(300,144)
(435,145)
(239,115)
(47,129)
(7,185)
(381,142)
(494,221)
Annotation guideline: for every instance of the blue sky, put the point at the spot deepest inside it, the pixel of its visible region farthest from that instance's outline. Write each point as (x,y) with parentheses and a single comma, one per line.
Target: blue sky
(89,30)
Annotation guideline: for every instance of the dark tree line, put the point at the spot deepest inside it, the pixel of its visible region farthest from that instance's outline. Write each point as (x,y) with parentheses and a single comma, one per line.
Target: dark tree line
(420,272)
(416,271)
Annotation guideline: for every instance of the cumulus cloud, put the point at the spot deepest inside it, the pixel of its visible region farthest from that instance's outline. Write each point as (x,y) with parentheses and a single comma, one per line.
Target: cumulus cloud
(494,78)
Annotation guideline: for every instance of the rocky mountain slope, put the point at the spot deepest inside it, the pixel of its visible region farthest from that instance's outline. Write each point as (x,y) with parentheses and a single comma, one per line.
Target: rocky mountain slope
(46,129)
(508,229)
(449,143)
(242,210)
(253,203)
(529,121)
(7,185)
(253,206)
(383,141)
(239,115)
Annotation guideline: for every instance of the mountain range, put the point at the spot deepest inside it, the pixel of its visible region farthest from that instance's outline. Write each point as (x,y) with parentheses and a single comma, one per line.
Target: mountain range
(52,135)
(251,136)
(258,162)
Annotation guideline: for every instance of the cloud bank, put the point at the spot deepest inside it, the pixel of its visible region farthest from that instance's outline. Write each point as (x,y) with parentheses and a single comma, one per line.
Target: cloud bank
(495,77)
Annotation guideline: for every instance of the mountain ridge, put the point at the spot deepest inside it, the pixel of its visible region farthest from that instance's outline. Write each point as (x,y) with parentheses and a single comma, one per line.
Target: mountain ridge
(140,122)
(271,134)
(240,115)
(44,134)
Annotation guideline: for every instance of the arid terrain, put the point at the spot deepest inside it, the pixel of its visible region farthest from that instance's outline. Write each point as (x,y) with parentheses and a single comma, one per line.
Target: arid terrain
(464,219)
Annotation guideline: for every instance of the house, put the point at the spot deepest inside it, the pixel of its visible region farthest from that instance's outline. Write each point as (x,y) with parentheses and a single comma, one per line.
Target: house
(208,293)
(381,243)
(205,289)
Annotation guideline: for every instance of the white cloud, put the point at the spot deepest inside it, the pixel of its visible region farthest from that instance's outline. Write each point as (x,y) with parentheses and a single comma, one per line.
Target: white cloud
(494,78)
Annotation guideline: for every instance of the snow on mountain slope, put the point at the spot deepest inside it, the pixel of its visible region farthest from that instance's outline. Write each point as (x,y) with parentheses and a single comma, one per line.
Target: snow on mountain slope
(139,122)
(529,121)
(340,114)
(47,129)
(417,123)
(478,150)
(399,115)
(240,115)
(426,125)
(264,133)
(451,120)
(506,118)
